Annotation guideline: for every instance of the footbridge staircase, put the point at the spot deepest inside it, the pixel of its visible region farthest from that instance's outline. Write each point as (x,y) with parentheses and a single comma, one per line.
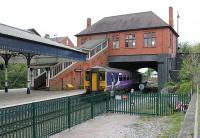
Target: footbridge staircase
(57,76)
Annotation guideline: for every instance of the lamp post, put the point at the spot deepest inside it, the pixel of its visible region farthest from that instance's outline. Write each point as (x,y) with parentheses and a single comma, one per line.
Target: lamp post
(178,16)
(55,35)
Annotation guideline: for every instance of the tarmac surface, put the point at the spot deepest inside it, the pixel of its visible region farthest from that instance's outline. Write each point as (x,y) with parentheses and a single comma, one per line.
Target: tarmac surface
(18,96)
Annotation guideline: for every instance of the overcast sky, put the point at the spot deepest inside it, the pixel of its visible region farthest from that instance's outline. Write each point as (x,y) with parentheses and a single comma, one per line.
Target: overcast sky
(68,17)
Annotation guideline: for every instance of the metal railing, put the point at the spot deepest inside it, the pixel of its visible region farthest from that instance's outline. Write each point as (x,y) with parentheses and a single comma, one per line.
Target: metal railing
(149,104)
(53,70)
(38,72)
(59,68)
(97,50)
(45,118)
(42,119)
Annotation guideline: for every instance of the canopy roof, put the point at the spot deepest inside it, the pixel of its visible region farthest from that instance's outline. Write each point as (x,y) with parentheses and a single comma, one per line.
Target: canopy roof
(90,44)
(22,41)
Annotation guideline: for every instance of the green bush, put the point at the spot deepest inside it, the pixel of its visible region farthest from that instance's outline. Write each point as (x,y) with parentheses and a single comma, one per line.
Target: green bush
(184,87)
(17,76)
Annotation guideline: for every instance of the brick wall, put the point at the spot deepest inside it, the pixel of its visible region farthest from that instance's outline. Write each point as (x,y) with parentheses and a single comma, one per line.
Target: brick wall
(163,42)
(73,75)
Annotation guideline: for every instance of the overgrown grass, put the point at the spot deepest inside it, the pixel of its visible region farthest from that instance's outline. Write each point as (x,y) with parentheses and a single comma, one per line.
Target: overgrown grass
(175,122)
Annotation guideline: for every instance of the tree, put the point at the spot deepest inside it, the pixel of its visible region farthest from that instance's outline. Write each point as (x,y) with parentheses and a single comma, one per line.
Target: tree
(190,70)
(184,47)
(148,73)
(16,76)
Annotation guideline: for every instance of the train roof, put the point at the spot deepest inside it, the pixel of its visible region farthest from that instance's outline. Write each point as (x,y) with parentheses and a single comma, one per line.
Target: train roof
(107,69)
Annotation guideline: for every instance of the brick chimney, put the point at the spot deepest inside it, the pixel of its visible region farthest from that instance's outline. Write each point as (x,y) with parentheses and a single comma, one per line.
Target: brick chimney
(171,21)
(89,22)
(47,36)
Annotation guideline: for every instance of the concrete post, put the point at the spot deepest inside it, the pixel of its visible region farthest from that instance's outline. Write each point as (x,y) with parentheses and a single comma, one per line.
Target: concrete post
(48,77)
(38,72)
(63,66)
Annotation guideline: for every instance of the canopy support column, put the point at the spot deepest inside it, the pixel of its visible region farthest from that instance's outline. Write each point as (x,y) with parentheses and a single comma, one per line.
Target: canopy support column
(32,77)
(28,58)
(6,58)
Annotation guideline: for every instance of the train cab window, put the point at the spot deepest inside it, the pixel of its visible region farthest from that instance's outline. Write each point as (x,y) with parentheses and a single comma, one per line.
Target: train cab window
(102,76)
(87,76)
(120,77)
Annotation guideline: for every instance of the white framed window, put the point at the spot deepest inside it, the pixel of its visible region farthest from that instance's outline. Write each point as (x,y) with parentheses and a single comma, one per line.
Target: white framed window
(130,41)
(115,41)
(150,39)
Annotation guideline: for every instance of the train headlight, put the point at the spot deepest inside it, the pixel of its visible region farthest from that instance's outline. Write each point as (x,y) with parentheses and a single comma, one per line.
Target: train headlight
(102,87)
(87,87)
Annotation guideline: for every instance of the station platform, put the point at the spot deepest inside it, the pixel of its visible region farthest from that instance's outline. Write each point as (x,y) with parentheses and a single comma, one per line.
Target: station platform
(18,96)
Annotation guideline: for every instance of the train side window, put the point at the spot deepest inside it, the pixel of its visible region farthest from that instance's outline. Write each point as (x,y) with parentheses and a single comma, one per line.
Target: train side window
(127,78)
(120,77)
(112,77)
(124,78)
(87,76)
(102,76)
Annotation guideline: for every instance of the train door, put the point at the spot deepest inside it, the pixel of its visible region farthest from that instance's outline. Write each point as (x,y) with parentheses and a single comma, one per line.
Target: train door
(94,81)
(112,81)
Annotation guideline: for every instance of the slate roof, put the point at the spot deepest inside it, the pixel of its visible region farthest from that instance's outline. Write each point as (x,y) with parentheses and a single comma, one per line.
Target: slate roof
(90,44)
(135,21)
(26,35)
(60,39)
(32,30)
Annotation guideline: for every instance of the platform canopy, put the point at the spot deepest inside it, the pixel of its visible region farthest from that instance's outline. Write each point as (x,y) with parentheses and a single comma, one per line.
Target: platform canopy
(21,41)
(16,42)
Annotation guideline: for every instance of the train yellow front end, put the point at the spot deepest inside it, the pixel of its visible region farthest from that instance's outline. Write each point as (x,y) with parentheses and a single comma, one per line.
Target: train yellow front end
(95,80)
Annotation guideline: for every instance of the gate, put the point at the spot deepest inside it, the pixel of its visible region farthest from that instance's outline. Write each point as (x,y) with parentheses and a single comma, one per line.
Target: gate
(148,104)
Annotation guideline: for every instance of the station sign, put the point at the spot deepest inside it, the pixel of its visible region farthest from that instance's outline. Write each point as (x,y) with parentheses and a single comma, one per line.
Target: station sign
(118,97)
(78,70)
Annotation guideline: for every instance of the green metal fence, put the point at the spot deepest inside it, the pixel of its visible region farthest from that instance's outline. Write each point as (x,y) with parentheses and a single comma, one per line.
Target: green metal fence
(148,104)
(42,119)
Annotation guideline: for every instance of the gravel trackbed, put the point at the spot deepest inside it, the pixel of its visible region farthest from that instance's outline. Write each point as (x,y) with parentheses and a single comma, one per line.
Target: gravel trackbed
(117,126)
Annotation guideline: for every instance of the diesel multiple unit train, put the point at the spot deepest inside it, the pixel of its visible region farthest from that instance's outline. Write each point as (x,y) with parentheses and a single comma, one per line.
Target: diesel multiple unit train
(106,79)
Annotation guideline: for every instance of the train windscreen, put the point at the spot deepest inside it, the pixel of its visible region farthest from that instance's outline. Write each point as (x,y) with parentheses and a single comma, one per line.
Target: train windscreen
(87,76)
(102,76)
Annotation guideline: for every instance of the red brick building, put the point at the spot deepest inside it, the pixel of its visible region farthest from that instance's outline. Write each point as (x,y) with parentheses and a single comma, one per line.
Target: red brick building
(64,40)
(131,41)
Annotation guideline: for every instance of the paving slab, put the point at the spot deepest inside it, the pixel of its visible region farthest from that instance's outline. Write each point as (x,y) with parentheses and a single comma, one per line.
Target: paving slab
(18,96)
